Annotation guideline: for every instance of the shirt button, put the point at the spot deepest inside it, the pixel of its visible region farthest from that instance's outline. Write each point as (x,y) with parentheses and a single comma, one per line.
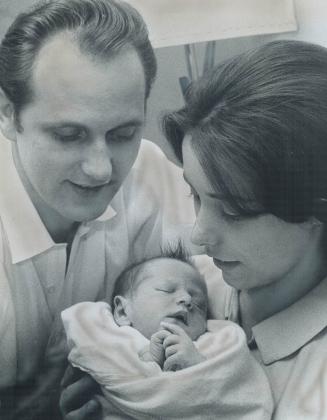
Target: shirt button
(51,289)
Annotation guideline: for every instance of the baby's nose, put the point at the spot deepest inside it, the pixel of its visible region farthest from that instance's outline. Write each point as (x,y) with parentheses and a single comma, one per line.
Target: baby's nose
(185,300)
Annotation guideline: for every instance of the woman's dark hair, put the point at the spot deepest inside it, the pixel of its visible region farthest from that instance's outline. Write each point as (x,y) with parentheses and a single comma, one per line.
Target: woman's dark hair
(100,27)
(258,126)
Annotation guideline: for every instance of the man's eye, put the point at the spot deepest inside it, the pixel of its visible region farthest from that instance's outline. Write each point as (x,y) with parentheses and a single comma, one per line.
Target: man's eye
(122,134)
(69,135)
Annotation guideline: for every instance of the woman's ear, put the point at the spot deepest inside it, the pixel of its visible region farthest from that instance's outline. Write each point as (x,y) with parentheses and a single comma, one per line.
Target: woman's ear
(121,311)
(7,117)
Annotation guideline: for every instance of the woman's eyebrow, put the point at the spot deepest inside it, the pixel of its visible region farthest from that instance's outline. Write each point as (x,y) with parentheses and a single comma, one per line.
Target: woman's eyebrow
(209,194)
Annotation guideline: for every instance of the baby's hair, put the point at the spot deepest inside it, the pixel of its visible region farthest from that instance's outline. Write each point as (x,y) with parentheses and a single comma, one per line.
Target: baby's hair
(127,280)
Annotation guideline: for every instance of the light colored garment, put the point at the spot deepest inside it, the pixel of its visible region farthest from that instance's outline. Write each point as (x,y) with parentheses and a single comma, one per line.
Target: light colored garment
(291,346)
(34,284)
(229,385)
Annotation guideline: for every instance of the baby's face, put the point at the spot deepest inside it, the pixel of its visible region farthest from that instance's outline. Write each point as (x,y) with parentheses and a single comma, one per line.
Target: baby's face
(170,291)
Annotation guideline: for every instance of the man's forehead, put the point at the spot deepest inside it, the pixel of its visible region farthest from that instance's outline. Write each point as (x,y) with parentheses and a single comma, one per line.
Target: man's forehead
(69,85)
(60,63)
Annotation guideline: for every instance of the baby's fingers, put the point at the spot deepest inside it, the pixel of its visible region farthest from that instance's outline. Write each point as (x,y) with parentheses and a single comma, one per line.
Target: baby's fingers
(171,363)
(159,336)
(173,328)
(171,340)
(171,350)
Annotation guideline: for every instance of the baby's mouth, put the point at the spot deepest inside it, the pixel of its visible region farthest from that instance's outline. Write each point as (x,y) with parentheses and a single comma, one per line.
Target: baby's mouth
(181,316)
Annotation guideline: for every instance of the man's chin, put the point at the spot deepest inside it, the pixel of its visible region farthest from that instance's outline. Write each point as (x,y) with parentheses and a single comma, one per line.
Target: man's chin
(82,215)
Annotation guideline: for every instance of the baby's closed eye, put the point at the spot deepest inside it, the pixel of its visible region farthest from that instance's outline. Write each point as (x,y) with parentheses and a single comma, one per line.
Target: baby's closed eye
(164,290)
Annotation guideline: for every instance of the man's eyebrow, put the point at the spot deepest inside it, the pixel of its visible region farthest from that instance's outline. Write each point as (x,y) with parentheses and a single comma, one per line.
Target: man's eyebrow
(62,124)
(132,123)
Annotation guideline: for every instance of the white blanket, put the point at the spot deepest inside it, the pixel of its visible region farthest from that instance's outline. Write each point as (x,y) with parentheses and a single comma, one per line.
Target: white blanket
(229,385)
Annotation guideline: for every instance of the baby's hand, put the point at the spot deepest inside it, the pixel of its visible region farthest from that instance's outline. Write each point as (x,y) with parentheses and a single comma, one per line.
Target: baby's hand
(180,351)
(156,346)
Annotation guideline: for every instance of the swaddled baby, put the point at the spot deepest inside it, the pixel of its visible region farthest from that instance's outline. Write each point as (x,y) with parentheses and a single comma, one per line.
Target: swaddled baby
(156,355)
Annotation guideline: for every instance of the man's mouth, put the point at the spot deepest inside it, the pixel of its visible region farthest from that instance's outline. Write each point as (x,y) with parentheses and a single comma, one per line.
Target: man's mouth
(89,188)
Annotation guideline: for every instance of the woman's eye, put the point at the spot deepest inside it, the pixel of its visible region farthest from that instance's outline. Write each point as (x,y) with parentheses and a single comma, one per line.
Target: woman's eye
(232,216)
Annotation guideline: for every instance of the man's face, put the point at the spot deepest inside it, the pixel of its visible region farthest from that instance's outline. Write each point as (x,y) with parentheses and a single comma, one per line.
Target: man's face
(170,291)
(81,132)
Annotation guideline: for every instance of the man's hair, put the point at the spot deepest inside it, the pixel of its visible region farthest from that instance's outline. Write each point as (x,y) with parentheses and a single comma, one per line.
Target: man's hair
(258,126)
(101,28)
(130,278)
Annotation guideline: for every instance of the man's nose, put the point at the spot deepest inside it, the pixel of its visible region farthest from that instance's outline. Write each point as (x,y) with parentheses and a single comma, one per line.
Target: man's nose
(97,164)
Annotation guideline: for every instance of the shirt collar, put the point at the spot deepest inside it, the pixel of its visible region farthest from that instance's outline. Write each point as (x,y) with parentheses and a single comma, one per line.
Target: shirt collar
(287,331)
(26,234)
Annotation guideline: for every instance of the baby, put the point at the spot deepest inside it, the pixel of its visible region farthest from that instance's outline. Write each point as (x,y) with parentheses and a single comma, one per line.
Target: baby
(166,300)
(156,355)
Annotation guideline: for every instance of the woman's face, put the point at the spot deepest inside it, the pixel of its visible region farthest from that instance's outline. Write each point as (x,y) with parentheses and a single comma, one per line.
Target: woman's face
(250,251)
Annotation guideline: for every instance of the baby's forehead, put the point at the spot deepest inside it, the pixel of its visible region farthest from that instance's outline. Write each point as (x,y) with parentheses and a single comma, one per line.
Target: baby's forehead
(171,271)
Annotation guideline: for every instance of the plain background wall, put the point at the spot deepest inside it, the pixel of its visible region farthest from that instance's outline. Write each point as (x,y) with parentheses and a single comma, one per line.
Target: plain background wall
(166,94)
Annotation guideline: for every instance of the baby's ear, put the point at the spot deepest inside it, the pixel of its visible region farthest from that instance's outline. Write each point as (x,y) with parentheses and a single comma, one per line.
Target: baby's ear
(121,310)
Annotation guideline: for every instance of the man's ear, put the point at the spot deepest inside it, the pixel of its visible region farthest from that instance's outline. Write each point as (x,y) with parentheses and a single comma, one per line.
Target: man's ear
(121,311)
(7,117)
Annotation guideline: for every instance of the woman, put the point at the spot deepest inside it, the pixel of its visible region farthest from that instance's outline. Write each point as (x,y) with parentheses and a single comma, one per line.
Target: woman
(253,141)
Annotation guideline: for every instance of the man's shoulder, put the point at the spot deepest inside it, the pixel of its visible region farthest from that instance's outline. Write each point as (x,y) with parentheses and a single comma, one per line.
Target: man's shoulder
(148,151)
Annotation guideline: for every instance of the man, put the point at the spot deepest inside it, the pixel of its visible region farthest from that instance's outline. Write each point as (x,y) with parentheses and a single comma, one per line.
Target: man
(74,79)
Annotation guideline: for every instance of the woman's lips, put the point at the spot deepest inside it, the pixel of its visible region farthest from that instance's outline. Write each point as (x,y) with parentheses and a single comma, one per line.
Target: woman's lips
(225,265)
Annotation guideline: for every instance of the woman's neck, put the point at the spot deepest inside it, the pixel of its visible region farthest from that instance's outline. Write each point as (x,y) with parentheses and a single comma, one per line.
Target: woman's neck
(260,303)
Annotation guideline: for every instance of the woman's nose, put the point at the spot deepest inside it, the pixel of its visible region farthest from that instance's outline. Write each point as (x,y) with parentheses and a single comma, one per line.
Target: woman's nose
(204,233)
(97,164)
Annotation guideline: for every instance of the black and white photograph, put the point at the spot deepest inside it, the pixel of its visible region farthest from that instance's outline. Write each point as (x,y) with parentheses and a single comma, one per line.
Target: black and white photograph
(163,210)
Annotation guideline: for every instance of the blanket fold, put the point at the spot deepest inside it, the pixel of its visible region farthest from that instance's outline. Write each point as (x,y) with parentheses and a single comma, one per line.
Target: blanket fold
(229,385)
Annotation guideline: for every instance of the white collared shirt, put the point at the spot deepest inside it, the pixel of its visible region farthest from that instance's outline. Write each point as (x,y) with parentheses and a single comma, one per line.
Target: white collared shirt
(34,284)
(292,348)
